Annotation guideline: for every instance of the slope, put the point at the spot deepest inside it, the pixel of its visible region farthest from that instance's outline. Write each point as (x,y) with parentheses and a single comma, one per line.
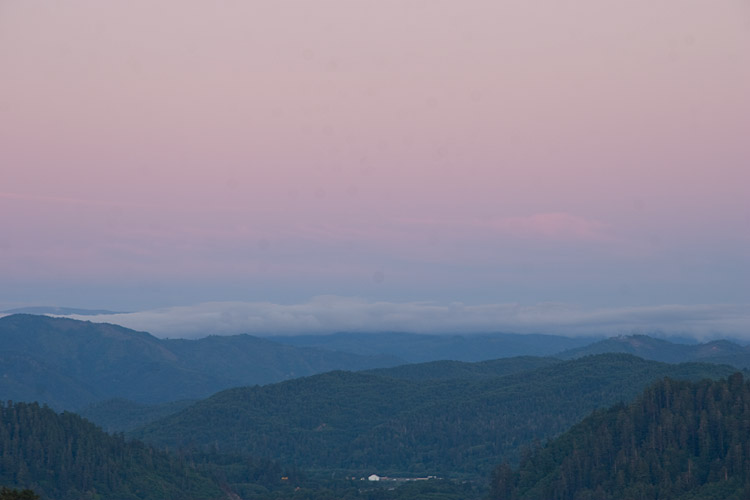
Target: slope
(69,364)
(118,415)
(717,351)
(65,457)
(446,370)
(677,440)
(363,422)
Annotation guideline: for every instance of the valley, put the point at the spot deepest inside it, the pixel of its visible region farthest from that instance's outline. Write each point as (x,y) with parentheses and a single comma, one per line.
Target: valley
(450,420)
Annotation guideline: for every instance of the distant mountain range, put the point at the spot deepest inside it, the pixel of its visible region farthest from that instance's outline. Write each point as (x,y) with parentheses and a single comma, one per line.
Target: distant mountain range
(717,351)
(307,403)
(70,364)
(419,348)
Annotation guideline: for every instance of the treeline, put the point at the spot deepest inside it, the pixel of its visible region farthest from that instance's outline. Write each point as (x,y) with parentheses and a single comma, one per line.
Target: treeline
(364,423)
(678,440)
(62,456)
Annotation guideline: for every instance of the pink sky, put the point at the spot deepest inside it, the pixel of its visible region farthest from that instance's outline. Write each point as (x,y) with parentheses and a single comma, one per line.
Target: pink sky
(164,152)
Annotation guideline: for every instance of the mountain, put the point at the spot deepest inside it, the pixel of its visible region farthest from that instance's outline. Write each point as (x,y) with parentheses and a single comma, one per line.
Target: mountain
(447,370)
(718,351)
(64,457)
(362,422)
(25,378)
(248,360)
(419,348)
(686,440)
(70,364)
(120,415)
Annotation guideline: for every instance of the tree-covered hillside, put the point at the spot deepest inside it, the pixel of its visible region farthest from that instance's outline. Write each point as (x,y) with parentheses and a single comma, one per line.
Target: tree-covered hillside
(681,440)
(362,422)
(63,457)
(447,370)
(119,415)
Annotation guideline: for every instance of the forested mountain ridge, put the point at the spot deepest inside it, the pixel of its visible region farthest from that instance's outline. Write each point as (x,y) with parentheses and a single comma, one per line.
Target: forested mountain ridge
(643,346)
(362,422)
(69,364)
(63,457)
(680,439)
(446,370)
(118,415)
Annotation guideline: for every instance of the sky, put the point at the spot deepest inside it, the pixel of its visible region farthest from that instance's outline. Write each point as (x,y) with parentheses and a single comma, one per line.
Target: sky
(177,157)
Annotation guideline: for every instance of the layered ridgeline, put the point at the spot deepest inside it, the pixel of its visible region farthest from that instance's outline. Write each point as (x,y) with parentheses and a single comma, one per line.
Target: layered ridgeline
(643,346)
(120,415)
(124,415)
(412,425)
(69,364)
(678,440)
(420,348)
(448,370)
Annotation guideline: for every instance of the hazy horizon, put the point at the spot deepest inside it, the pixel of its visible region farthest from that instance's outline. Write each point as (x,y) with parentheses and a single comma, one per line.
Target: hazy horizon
(438,164)
(332,314)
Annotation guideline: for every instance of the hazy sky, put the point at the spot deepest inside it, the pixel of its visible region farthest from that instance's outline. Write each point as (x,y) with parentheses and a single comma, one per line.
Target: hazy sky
(592,153)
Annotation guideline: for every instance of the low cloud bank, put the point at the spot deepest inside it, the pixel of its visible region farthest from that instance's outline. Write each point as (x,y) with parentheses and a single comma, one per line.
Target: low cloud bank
(328,314)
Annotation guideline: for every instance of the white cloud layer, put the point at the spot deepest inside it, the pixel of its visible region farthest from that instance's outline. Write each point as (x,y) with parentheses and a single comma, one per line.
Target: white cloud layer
(328,314)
